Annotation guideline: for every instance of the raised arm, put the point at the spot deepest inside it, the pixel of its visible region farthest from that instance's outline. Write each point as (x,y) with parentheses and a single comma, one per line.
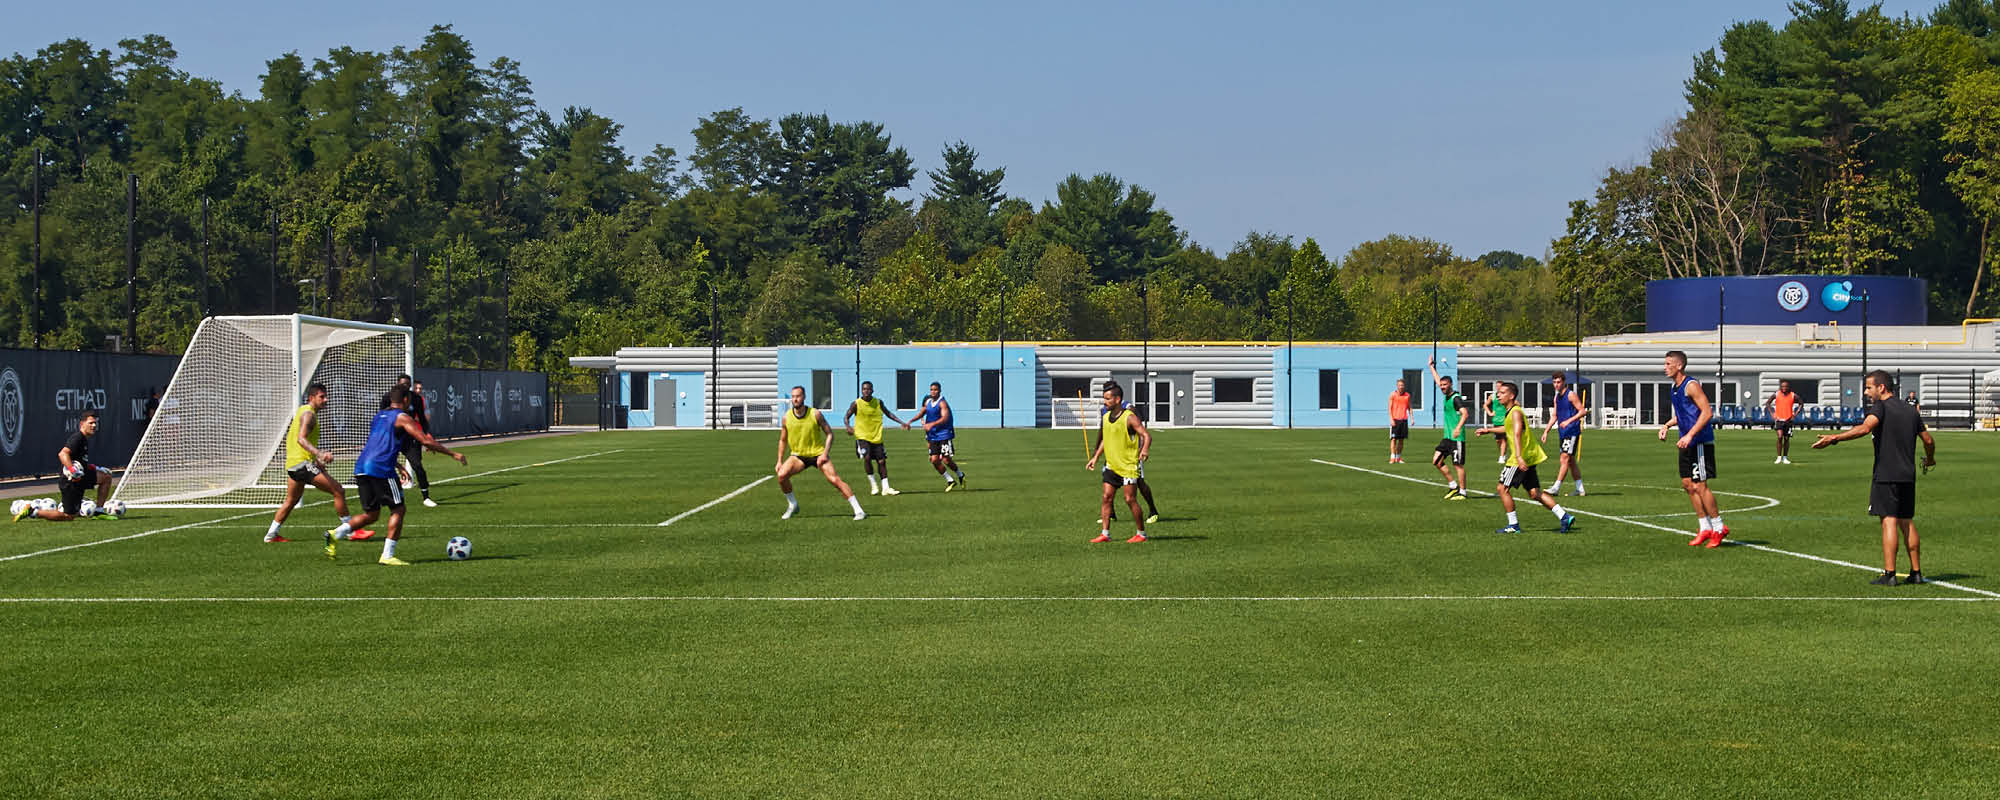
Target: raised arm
(409,426)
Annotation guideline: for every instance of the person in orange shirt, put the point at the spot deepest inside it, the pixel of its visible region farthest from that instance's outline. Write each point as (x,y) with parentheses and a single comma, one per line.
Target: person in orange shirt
(1399,421)
(1784,408)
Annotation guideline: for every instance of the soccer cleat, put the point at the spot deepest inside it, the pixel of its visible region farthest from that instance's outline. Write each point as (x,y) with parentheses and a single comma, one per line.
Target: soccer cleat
(275,539)
(1885,579)
(1449,492)
(1508,529)
(1153,520)
(22,512)
(1716,536)
(1700,538)
(1915,578)
(429,503)
(872,489)
(789,512)
(392,561)
(890,492)
(1568,521)
(330,538)
(1136,538)
(950,484)
(361,535)
(1101,538)
(1455,495)
(1581,493)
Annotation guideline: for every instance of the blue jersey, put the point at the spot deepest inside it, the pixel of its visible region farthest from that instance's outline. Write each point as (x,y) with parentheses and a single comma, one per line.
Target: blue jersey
(1685,413)
(1565,410)
(385,440)
(933,411)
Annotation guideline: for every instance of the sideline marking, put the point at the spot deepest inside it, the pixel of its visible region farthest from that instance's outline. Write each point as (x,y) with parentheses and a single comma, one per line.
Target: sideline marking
(997,599)
(717,501)
(1645,524)
(265,512)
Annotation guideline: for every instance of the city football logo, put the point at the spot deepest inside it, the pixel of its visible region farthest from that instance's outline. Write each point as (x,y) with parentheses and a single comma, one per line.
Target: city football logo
(1836,295)
(13,411)
(1792,296)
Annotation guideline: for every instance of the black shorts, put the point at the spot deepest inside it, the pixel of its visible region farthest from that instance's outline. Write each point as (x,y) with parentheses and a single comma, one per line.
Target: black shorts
(1897,500)
(870,451)
(1568,444)
(376,492)
(941,448)
(1399,429)
(1500,437)
(1514,477)
(811,462)
(1698,462)
(1115,479)
(305,471)
(73,492)
(1784,427)
(1452,449)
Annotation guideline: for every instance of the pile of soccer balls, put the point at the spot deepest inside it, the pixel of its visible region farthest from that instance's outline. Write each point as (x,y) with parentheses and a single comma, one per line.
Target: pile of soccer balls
(112,509)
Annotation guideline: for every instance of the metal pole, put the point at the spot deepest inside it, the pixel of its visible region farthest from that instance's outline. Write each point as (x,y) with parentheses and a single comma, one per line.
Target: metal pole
(326,281)
(1864,332)
(857,335)
(35,281)
(1577,367)
(1145,353)
(1721,311)
(506,318)
(449,354)
(202,283)
(1434,349)
(714,354)
(374,279)
(274,262)
(1003,355)
(131,261)
(1288,357)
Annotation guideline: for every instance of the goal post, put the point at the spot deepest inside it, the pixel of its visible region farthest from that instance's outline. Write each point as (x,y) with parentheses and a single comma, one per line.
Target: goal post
(217,438)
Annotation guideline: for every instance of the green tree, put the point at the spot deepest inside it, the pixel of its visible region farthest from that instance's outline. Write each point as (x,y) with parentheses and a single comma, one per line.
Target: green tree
(1117,229)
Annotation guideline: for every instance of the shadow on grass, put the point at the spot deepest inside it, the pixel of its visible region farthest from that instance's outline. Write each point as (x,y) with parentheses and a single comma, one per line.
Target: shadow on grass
(1171,538)
(459,497)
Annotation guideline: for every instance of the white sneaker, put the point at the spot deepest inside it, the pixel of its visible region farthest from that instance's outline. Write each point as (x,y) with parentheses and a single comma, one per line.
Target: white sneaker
(409,485)
(1788,459)
(1580,492)
(873,490)
(860,515)
(429,503)
(891,492)
(789,512)
(1778,460)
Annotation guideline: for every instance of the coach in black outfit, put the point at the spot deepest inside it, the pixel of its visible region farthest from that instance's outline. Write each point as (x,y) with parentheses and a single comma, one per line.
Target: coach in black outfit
(1897,427)
(413,451)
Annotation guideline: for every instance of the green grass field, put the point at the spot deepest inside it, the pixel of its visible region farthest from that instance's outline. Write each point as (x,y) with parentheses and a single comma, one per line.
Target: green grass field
(1293,629)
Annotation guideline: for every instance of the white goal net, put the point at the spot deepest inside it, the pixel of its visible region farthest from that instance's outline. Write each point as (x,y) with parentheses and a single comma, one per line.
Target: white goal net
(217,439)
(1074,412)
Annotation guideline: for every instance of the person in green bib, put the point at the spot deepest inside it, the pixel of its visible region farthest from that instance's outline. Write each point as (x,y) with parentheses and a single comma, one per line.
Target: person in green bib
(864,423)
(1457,412)
(305,465)
(1524,453)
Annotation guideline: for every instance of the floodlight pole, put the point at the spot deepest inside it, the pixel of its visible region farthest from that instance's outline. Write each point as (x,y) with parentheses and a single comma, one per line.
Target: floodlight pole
(714,353)
(274,262)
(1289,333)
(1145,353)
(1434,347)
(1003,355)
(35,280)
(1864,332)
(202,284)
(1721,314)
(131,261)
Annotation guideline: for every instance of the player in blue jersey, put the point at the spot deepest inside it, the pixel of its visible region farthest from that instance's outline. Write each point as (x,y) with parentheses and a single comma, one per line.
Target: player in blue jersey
(389,432)
(1568,423)
(1693,416)
(938,432)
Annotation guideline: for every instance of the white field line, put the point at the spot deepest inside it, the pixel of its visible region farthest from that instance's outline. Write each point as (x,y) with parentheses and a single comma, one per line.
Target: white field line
(717,501)
(1677,532)
(266,511)
(1197,599)
(1769,502)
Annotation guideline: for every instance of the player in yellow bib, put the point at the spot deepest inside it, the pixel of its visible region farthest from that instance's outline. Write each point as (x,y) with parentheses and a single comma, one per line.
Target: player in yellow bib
(1123,442)
(803,442)
(1523,453)
(864,423)
(305,465)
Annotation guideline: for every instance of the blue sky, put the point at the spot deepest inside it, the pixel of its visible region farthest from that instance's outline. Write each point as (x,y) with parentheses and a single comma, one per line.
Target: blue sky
(1471,123)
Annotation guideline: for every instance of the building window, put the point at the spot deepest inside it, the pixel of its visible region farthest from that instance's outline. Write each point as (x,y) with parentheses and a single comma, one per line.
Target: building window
(906,389)
(989,389)
(1329,390)
(639,393)
(1807,390)
(822,388)
(1069,388)
(1235,390)
(1413,382)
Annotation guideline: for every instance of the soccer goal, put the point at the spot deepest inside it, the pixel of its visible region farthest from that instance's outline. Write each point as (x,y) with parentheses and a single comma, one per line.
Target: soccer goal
(1073,412)
(217,440)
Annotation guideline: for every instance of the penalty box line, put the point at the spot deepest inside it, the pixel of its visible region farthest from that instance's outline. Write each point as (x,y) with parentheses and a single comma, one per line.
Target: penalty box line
(1644,524)
(717,501)
(263,512)
(1189,599)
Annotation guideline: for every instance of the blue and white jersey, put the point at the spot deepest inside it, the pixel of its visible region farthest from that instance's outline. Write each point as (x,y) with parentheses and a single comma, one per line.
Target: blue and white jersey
(385,440)
(1564,410)
(933,411)
(1685,413)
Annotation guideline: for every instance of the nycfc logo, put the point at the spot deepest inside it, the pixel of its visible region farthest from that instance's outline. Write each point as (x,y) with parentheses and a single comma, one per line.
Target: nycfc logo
(1792,296)
(1836,295)
(13,409)
(453,401)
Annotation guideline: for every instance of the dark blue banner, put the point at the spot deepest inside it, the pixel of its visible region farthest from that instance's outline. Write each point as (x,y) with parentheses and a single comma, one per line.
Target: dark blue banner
(1695,304)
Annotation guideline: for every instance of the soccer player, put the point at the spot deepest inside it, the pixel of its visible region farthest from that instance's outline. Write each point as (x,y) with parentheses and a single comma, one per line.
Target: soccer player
(1496,416)
(1145,493)
(1784,408)
(305,465)
(1520,470)
(375,481)
(1399,421)
(864,423)
(1693,415)
(1457,411)
(78,476)
(1897,426)
(938,431)
(413,451)
(1568,420)
(803,442)
(1123,442)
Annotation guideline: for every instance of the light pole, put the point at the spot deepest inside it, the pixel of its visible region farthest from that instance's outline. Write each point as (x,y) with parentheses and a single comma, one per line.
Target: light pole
(1145,354)
(314,283)
(1864,332)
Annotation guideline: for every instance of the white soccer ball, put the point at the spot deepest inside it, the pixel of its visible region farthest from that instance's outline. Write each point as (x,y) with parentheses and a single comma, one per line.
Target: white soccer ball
(89,509)
(115,508)
(46,503)
(458,549)
(15,508)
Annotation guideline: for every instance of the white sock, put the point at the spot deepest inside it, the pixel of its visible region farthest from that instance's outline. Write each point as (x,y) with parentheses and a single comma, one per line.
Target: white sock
(872,483)
(948,478)
(961,473)
(855,502)
(343,531)
(1451,484)
(1717,521)
(1560,513)
(1513,519)
(388,548)
(1703,522)
(273,530)
(885,484)
(791,501)
(1579,487)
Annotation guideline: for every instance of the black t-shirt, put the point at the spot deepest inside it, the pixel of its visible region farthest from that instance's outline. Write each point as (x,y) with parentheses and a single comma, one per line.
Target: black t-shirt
(1896,429)
(78,447)
(417,410)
